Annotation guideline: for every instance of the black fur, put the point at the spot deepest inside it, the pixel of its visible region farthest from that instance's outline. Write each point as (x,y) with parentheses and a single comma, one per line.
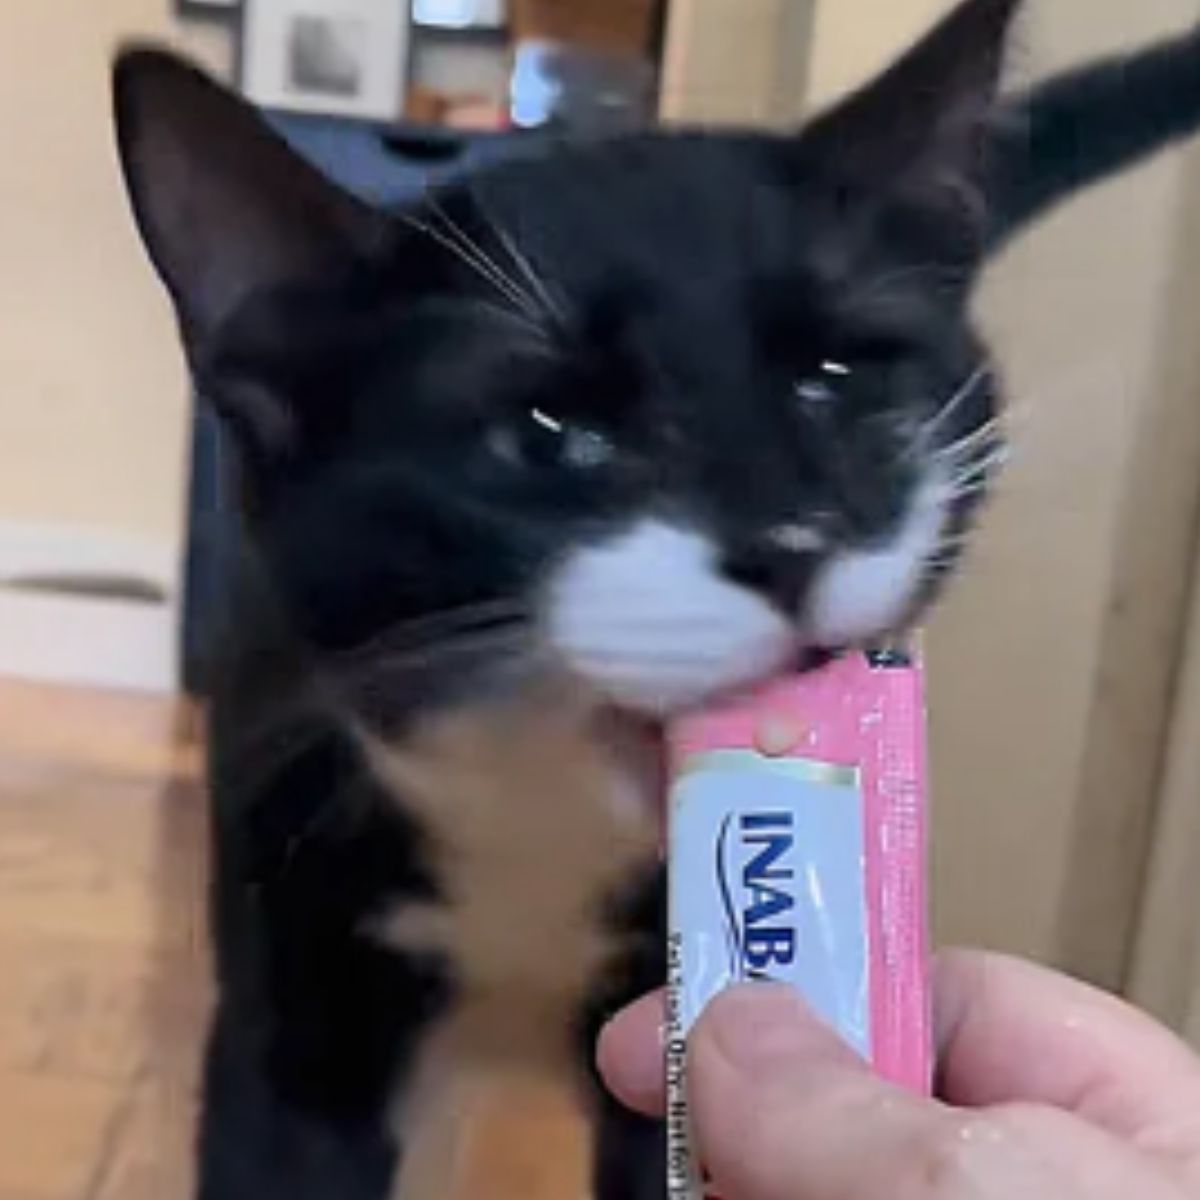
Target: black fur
(382,388)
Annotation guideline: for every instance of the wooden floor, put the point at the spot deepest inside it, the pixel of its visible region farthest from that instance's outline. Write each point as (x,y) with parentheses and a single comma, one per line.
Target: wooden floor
(103,980)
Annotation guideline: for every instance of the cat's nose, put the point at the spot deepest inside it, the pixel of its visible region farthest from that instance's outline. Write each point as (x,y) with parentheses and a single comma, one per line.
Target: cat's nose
(778,567)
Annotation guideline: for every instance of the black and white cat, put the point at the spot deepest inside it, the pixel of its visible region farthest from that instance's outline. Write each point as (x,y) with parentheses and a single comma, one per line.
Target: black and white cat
(584,440)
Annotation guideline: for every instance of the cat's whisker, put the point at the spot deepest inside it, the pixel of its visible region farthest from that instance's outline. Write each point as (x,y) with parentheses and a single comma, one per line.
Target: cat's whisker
(978,470)
(479,255)
(954,542)
(952,549)
(453,230)
(1011,426)
(881,283)
(484,643)
(697,622)
(463,618)
(965,392)
(523,263)
(991,432)
(648,662)
(969,490)
(969,474)
(497,279)
(990,453)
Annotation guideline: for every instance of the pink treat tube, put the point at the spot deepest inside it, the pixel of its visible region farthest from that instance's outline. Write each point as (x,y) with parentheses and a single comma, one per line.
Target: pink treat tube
(797,854)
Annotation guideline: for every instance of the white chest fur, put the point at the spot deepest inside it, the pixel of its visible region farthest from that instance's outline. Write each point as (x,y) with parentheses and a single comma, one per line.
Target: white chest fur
(533,828)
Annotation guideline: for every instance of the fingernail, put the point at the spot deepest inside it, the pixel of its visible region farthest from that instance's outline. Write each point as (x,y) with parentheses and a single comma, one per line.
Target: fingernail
(757,1025)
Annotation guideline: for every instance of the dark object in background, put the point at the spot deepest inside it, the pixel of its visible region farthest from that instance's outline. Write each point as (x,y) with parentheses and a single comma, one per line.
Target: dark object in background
(626,27)
(219,9)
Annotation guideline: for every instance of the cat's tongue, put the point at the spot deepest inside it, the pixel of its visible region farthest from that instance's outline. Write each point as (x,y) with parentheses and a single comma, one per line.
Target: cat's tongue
(643,745)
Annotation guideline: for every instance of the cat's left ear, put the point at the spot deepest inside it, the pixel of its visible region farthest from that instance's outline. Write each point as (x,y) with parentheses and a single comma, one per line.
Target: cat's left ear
(923,126)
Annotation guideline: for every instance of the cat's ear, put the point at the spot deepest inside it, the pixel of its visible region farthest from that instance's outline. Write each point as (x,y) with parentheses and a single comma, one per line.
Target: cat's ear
(224,206)
(926,119)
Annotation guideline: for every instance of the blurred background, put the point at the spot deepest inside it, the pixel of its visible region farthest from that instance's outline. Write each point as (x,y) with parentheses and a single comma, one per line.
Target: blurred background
(1066,666)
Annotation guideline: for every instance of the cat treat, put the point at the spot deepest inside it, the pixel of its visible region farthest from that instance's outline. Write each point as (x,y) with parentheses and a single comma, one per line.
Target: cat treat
(797,832)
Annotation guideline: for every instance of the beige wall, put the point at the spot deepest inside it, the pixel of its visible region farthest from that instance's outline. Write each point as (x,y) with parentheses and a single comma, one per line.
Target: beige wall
(94,400)
(1166,975)
(856,38)
(737,63)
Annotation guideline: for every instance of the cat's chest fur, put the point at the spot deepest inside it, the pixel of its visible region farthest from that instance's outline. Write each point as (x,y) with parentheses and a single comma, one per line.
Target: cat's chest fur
(535,822)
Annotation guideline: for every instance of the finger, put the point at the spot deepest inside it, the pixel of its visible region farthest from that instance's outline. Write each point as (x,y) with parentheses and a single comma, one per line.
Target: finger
(783,1110)
(1012,1032)
(630,1056)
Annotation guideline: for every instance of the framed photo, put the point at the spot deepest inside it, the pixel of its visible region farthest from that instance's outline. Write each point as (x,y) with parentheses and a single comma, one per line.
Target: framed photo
(344,58)
(207,8)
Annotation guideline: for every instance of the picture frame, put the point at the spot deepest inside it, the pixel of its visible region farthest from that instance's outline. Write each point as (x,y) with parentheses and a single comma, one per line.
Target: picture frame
(219,10)
(345,58)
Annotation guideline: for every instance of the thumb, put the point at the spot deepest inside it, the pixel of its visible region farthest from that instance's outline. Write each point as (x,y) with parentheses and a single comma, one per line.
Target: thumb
(784,1110)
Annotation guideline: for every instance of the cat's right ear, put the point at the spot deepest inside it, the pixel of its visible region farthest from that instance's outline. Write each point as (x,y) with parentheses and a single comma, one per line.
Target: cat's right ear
(225,208)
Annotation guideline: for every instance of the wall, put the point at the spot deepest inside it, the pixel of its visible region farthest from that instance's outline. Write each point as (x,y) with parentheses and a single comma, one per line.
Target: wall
(1166,974)
(743,63)
(854,39)
(94,404)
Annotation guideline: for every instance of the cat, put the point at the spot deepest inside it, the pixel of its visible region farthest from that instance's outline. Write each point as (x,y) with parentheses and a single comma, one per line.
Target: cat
(554,453)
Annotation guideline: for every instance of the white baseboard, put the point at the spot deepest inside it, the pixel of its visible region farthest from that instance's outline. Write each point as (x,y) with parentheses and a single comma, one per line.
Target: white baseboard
(89,642)
(47,551)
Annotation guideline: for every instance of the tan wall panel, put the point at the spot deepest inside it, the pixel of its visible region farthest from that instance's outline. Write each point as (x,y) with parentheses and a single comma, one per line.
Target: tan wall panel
(1166,967)
(854,39)
(736,63)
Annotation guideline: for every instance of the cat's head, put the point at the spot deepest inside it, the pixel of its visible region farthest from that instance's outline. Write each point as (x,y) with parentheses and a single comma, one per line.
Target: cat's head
(672,410)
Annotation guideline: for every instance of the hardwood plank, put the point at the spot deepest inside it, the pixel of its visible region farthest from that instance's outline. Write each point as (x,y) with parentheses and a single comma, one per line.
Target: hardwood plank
(531,1144)
(120,733)
(150,1154)
(103,962)
(54,1134)
(101,943)
(84,858)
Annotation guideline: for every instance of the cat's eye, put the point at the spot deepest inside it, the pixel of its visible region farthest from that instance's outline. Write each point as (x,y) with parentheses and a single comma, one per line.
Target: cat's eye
(822,386)
(537,437)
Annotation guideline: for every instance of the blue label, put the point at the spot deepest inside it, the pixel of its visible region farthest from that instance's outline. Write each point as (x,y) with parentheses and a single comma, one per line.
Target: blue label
(768,883)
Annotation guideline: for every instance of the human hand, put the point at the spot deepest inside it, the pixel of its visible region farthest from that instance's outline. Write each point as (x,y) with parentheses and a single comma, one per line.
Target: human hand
(1049,1091)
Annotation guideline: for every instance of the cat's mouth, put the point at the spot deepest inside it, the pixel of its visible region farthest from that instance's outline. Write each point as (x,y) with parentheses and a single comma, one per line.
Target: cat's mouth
(640,742)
